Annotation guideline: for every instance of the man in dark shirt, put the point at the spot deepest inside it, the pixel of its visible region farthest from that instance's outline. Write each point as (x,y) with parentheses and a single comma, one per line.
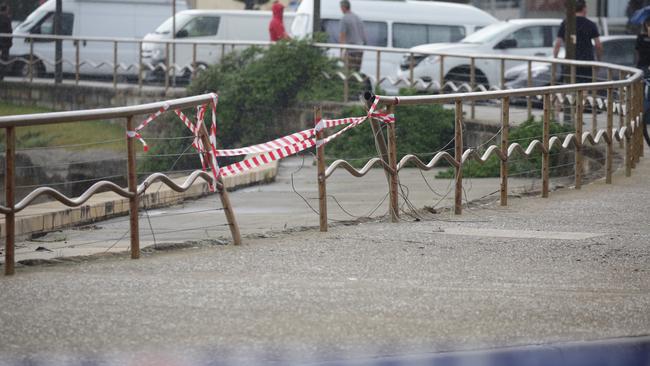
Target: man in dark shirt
(586,31)
(5,42)
(643,48)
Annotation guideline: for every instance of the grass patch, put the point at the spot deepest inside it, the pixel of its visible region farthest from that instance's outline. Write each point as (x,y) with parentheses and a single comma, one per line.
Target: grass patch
(75,136)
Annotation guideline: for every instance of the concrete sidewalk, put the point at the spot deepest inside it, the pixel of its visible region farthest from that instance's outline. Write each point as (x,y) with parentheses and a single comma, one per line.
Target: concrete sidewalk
(571,268)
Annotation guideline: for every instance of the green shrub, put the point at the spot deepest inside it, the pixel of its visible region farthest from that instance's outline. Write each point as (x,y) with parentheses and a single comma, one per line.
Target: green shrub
(420,130)
(518,164)
(257,86)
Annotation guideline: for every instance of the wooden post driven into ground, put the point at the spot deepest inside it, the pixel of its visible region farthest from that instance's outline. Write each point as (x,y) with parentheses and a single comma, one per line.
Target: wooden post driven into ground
(10,218)
(221,188)
(133,190)
(392,161)
(627,138)
(458,155)
(545,142)
(578,142)
(322,188)
(610,142)
(505,131)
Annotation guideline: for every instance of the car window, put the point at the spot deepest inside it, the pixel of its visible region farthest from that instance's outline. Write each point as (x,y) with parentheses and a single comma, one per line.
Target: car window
(377,32)
(529,37)
(202,27)
(46,25)
(620,52)
(409,35)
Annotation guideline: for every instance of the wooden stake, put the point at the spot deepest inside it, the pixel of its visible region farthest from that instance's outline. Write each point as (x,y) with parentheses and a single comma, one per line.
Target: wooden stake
(392,161)
(458,155)
(610,143)
(134,224)
(221,188)
(505,131)
(545,141)
(320,159)
(10,218)
(578,148)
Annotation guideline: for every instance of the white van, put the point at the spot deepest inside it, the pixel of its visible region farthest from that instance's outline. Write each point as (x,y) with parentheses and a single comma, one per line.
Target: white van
(205,25)
(89,18)
(398,24)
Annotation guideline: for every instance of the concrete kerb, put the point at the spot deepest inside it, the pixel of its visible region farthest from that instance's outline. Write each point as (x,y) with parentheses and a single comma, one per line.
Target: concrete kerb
(50,216)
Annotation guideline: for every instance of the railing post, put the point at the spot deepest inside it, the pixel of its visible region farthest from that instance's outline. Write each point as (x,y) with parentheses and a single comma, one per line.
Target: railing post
(77,66)
(140,67)
(193,61)
(411,67)
(640,112)
(115,65)
(458,155)
(502,76)
(505,131)
(392,161)
(320,159)
(167,56)
(10,218)
(553,73)
(378,71)
(610,143)
(545,142)
(529,83)
(31,60)
(621,112)
(221,188)
(578,143)
(472,85)
(628,122)
(346,82)
(594,104)
(133,190)
(442,74)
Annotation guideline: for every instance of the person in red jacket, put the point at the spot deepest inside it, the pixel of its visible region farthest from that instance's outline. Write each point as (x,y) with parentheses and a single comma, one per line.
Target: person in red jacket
(276,27)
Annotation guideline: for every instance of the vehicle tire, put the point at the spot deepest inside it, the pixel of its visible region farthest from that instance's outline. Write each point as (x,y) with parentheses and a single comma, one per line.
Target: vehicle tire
(461,74)
(187,77)
(21,69)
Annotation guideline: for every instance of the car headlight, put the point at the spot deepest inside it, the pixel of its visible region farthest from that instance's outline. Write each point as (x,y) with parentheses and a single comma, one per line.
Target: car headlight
(158,54)
(432,60)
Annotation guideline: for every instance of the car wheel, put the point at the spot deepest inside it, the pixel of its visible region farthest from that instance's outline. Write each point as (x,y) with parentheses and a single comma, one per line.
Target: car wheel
(21,68)
(460,75)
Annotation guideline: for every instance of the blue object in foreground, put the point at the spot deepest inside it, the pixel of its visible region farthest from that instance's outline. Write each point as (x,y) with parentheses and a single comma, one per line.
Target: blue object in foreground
(640,15)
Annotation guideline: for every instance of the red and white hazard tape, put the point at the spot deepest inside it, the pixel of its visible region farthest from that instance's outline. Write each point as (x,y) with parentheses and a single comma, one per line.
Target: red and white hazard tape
(295,143)
(271,145)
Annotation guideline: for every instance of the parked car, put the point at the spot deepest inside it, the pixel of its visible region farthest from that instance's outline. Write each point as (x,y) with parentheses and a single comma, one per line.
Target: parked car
(83,18)
(205,25)
(617,50)
(398,24)
(520,37)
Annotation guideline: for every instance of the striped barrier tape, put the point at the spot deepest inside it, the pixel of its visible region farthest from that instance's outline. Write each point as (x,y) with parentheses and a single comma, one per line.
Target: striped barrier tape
(295,143)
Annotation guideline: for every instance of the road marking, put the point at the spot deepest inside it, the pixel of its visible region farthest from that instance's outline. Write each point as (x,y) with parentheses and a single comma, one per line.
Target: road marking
(521,234)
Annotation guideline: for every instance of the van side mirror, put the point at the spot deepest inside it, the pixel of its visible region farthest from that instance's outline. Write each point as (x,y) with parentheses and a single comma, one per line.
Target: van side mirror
(506,43)
(182,34)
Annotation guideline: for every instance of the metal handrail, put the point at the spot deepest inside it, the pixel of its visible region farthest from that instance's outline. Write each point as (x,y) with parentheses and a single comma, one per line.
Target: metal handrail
(95,114)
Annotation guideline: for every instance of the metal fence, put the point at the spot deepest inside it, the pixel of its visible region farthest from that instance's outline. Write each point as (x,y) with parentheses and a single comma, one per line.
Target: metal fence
(623,97)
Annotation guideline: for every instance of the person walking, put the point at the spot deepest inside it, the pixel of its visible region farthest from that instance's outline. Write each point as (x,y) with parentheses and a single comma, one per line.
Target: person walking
(276,26)
(586,31)
(352,32)
(642,48)
(5,42)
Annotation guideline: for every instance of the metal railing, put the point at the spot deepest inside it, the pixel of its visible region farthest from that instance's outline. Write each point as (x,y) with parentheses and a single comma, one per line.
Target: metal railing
(134,190)
(624,96)
(629,133)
